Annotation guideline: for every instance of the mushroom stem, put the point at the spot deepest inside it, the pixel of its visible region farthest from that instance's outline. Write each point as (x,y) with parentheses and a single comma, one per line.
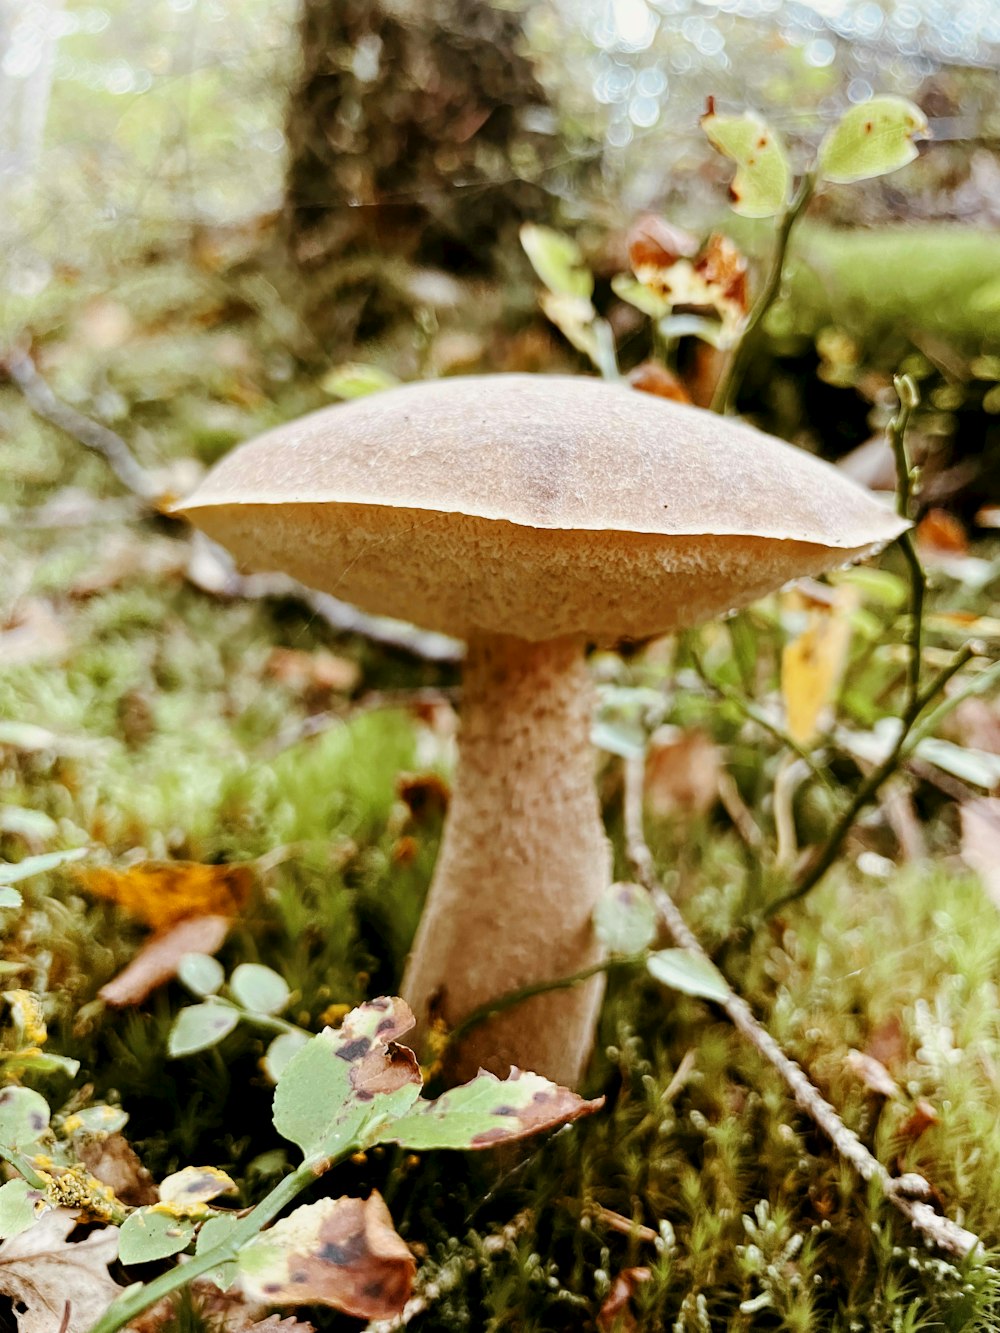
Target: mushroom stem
(523,862)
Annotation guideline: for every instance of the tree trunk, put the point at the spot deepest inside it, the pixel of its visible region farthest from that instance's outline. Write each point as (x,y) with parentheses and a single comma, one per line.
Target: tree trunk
(418,137)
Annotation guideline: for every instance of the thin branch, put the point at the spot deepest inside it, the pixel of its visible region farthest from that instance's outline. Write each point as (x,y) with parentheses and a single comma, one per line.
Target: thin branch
(91,434)
(724,397)
(821,861)
(906,390)
(907,1193)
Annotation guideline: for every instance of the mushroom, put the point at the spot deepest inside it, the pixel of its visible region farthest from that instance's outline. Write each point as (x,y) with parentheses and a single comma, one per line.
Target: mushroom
(529,514)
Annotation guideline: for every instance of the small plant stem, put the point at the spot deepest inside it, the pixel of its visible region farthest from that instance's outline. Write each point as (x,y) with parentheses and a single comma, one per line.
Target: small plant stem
(824,858)
(906,390)
(908,1194)
(139,1298)
(24,1168)
(606,359)
(491,1008)
(723,400)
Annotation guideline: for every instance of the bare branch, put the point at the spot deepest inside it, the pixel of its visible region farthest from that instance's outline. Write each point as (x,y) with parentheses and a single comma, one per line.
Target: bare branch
(907,1193)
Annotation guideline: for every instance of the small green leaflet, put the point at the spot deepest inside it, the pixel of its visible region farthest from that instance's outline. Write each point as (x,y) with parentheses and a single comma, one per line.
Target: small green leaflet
(279,1054)
(147,1235)
(763,177)
(200,1026)
(488,1111)
(345,1082)
(688,972)
(14,872)
(558,261)
(625,918)
(201,974)
(24,1117)
(258,988)
(638,294)
(20,1207)
(356,380)
(872,139)
(216,1231)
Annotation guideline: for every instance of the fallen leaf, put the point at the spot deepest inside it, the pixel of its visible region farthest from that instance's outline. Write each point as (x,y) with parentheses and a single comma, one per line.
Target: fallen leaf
(425,795)
(64,1285)
(654,241)
(922,1117)
(343,1253)
(813,664)
(651,377)
(320,671)
(887,1042)
(976,722)
(872,1073)
(682,772)
(941,533)
(112,1160)
(615,1315)
(157,961)
(981,842)
(161,893)
(33,635)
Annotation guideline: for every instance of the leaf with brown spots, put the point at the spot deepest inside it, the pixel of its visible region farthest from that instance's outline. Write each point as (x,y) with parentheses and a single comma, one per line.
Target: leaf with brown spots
(488,1111)
(339,1089)
(761,186)
(338,1252)
(163,893)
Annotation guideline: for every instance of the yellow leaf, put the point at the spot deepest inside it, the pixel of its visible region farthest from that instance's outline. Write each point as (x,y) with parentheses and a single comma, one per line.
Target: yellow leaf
(813,664)
(161,893)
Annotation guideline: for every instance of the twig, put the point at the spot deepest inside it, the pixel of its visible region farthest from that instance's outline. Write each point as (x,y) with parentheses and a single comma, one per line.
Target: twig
(91,434)
(908,1193)
(906,391)
(824,857)
(728,386)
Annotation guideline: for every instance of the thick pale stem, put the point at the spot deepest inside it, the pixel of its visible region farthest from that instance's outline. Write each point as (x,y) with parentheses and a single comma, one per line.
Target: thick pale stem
(523,862)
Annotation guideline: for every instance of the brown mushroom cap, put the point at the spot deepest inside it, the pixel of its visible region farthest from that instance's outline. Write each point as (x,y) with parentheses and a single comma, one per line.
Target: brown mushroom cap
(535,505)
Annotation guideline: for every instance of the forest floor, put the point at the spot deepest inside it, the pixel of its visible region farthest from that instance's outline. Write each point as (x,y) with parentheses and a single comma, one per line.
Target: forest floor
(146,719)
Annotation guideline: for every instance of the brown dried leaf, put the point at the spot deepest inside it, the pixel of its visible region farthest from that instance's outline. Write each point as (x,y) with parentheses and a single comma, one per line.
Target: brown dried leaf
(64,1286)
(872,1073)
(923,1116)
(682,772)
(113,1161)
(887,1043)
(343,1253)
(615,1315)
(320,671)
(981,842)
(426,795)
(161,893)
(651,377)
(33,635)
(723,267)
(157,961)
(941,533)
(655,242)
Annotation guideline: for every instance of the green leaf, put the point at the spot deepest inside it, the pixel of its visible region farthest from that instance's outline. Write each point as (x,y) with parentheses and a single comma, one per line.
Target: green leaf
(356,380)
(217,1231)
(625,918)
(99,1119)
(10,897)
(875,585)
(20,1207)
(200,1026)
(24,1117)
(14,872)
(344,1083)
(763,177)
(558,261)
(872,139)
(642,297)
(278,1055)
(201,974)
(688,972)
(34,1061)
(488,1111)
(258,988)
(147,1235)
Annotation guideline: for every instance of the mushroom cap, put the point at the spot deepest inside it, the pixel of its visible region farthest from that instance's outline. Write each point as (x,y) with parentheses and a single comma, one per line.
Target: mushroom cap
(535,505)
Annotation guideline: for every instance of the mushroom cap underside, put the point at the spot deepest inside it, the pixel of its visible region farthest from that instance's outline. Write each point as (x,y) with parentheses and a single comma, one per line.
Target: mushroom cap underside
(536,506)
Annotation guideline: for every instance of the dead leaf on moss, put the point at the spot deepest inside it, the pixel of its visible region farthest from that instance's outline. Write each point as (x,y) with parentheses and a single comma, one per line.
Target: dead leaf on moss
(941,533)
(111,1159)
(981,842)
(872,1073)
(616,1315)
(653,378)
(682,772)
(318,672)
(33,634)
(157,961)
(64,1285)
(343,1253)
(161,893)
(921,1118)
(813,664)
